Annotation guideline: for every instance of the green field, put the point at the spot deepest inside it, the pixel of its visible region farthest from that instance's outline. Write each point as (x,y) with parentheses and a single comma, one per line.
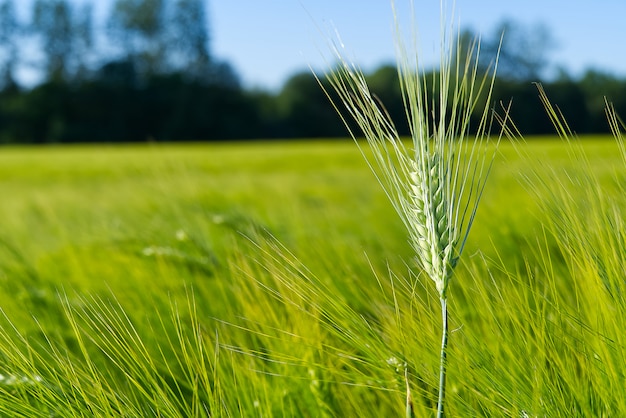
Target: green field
(275,279)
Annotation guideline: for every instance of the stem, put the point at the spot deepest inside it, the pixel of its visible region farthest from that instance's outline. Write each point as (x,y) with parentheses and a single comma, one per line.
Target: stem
(409,402)
(442,363)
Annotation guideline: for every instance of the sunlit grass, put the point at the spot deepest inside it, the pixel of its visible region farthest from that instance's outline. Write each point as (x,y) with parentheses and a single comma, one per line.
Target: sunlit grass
(269,280)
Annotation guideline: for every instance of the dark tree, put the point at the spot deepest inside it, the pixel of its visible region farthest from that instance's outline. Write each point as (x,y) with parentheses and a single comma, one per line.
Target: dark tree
(65,37)
(599,87)
(84,41)
(385,85)
(524,50)
(305,110)
(138,26)
(10,30)
(190,39)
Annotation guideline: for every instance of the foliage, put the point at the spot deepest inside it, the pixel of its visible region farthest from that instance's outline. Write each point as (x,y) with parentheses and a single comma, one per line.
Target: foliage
(100,80)
(53,21)
(523,51)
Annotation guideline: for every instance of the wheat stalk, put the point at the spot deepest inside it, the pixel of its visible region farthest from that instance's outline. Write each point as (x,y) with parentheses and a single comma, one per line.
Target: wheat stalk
(435,186)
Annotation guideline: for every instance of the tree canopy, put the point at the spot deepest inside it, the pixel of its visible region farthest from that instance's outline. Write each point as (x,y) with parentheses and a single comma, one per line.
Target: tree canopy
(147,72)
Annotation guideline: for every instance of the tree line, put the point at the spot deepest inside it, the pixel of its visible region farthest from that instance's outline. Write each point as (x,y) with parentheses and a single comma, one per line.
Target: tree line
(146,73)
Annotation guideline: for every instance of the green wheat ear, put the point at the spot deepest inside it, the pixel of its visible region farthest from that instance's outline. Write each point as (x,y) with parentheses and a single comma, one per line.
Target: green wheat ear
(435,187)
(436,184)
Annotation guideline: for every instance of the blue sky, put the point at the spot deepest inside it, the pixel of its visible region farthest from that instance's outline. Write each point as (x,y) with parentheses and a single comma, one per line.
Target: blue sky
(269,40)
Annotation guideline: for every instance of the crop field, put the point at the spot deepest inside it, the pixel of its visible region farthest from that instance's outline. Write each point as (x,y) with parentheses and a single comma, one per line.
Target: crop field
(275,279)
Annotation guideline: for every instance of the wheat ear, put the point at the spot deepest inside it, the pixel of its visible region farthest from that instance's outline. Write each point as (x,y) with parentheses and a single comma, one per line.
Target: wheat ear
(436,184)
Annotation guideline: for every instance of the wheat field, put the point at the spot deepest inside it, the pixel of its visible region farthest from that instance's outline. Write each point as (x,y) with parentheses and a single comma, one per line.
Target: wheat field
(274,279)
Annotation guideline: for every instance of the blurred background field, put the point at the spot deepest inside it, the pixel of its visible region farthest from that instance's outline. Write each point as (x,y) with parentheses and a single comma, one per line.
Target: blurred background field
(307,194)
(279,274)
